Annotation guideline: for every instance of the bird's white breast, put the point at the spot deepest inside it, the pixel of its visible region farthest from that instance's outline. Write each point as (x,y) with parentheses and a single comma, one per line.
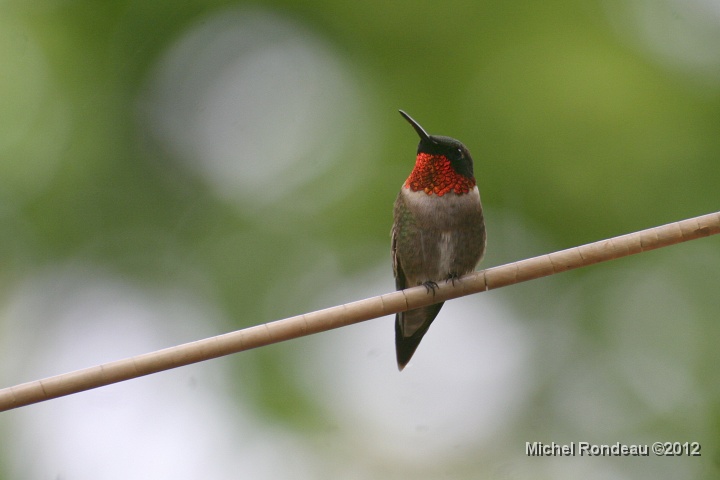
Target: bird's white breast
(444,212)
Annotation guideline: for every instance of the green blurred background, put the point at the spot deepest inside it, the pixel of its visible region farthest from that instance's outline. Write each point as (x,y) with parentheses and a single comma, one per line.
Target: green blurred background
(171,170)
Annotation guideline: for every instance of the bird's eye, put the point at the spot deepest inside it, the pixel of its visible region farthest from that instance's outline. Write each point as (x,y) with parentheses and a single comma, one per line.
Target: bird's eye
(460,152)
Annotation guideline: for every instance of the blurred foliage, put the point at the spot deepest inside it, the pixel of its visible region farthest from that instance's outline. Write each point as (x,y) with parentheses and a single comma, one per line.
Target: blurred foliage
(578,133)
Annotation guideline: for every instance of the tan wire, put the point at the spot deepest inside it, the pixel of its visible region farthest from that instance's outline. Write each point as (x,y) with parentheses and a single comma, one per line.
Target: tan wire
(339,316)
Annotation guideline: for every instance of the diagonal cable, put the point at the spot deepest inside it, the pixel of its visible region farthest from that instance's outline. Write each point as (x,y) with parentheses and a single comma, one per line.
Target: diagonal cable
(359,311)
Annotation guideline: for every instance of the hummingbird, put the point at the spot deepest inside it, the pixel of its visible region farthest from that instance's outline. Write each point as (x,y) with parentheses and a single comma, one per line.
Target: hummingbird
(438,231)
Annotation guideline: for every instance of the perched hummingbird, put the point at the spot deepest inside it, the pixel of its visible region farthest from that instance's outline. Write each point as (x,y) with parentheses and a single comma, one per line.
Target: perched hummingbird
(438,231)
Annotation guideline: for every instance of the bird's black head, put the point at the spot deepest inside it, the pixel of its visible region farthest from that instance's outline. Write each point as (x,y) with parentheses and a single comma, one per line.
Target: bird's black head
(452,149)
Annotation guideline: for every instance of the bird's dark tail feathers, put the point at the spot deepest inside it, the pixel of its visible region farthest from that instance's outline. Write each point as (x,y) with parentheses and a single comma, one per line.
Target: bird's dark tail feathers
(405,346)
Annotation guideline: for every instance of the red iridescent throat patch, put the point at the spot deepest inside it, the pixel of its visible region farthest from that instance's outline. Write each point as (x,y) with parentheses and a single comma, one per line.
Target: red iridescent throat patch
(434,174)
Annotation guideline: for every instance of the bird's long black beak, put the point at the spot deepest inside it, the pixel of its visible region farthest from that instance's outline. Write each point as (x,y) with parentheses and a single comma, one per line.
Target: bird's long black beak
(420,130)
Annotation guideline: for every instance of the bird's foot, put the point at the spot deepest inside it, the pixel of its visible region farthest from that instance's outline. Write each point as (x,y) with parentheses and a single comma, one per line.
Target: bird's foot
(452,277)
(430,286)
